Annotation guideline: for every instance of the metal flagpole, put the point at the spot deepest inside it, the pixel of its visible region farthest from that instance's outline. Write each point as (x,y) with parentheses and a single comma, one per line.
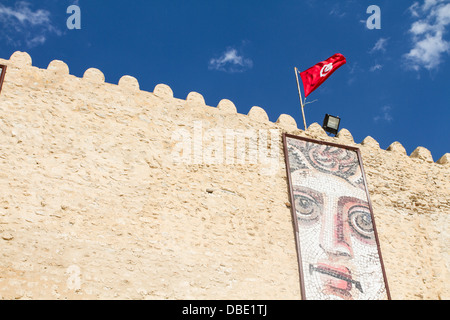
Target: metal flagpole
(300,95)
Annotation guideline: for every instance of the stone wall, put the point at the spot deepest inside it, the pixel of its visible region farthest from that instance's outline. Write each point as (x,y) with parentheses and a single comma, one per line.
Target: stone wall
(96,202)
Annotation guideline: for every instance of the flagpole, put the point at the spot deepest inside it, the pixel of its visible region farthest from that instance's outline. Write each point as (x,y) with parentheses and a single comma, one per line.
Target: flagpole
(300,95)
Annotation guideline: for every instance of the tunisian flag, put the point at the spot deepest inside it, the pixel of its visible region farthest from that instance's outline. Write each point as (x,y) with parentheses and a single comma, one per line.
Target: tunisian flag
(315,76)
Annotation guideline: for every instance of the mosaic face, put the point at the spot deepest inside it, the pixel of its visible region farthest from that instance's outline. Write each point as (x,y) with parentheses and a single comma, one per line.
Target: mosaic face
(337,243)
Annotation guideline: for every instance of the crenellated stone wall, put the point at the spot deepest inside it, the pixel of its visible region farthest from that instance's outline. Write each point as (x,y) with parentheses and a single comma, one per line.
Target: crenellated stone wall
(94,205)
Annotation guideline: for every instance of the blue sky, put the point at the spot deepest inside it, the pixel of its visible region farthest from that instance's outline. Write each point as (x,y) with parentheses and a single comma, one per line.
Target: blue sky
(394,87)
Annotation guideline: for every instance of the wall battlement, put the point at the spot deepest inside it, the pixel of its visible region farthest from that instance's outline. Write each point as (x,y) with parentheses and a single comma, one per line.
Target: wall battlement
(59,68)
(94,207)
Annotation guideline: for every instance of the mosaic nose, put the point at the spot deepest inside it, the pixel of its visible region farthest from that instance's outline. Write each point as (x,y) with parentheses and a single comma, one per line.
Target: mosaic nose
(334,234)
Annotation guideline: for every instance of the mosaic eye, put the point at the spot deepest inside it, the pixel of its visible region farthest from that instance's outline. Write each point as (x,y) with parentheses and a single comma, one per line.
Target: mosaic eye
(306,207)
(361,222)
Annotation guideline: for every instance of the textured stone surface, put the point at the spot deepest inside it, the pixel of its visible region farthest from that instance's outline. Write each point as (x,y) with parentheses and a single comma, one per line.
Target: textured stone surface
(94,75)
(397,148)
(422,154)
(445,159)
(20,59)
(195,99)
(93,205)
(129,83)
(316,131)
(58,66)
(371,143)
(287,122)
(227,106)
(258,113)
(345,136)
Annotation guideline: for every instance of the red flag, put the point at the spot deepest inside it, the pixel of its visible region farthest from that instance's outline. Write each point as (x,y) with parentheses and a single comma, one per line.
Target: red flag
(315,76)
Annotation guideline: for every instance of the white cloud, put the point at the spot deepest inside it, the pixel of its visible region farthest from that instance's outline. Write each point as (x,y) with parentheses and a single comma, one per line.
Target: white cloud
(414,9)
(420,27)
(431,3)
(428,34)
(336,11)
(385,115)
(231,61)
(380,45)
(376,67)
(24,25)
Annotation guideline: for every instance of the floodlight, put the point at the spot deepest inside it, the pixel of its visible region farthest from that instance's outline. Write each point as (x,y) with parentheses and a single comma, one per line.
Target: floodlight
(331,124)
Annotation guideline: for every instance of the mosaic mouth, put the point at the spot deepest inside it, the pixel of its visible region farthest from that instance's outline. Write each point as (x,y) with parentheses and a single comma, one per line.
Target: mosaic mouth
(335,274)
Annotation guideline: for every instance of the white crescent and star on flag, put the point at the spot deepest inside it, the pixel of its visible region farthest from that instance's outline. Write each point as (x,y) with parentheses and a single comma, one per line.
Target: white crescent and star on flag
(326,69)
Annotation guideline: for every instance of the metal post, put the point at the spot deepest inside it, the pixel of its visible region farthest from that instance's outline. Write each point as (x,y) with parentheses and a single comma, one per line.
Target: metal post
(300,95)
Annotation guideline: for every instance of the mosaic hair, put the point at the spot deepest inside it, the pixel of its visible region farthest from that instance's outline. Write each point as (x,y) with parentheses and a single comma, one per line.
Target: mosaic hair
(326,159)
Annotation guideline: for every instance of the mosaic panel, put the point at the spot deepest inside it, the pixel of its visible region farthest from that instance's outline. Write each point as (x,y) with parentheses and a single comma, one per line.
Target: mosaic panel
(2,75)
(338,248)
